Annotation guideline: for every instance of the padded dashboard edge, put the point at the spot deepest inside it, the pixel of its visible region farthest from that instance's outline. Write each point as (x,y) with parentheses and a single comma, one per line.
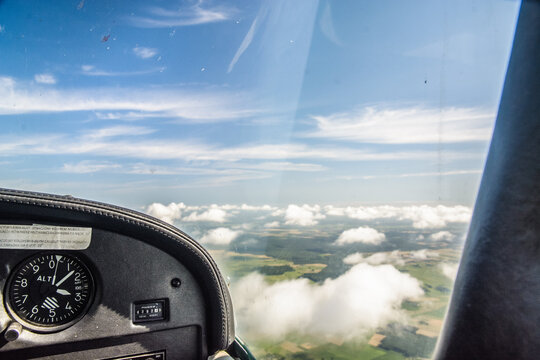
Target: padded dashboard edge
(23,205)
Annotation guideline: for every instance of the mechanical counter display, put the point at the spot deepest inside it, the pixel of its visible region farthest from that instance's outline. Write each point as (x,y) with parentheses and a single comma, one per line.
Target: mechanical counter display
(50,291)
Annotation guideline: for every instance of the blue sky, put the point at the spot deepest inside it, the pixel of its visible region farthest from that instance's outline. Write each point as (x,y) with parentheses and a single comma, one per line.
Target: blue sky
(327,102)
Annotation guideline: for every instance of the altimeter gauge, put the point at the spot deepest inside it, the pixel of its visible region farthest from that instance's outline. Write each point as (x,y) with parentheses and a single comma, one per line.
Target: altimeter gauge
(49,291)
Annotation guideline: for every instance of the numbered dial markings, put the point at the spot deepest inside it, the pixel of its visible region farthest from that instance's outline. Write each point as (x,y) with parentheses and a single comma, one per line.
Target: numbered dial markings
(48,291)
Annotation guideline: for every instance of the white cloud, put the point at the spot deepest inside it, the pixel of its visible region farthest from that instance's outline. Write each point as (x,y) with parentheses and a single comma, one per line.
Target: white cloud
(90,70)
(219,236)
(120,130)
(168,213)
(214,215)
(144,52)
(350,306)
(362,234)
(379,258)
(407,175)
(283,166)
(196,14)
(422,216)
(2,29)
(273,224)
(407,125)
(423,254)
(45,79)
(442,236)
(176,103)
(395,257)
(429,217)
(254,208)
(353,259)
(304,215)
(371,212)
(88,166)
(449,270)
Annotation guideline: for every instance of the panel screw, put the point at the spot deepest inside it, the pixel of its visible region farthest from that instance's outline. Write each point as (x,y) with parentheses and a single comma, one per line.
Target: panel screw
(13,331)
(176,282)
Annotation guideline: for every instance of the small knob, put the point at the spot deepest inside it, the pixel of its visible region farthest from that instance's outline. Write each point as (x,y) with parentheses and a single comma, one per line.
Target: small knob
(13,331)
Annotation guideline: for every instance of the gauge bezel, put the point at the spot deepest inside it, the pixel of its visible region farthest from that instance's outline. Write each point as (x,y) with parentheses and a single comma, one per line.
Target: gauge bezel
(43,328)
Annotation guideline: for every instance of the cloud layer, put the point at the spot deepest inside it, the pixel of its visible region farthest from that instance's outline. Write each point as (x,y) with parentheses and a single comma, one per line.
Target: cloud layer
(424,217)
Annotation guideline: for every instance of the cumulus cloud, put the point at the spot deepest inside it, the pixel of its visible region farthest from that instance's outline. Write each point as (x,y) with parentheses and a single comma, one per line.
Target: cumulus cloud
(45,79)
(246,207)
(353,259)
(214,214)
(449,270)
(378,258)
(395,257)
(219,236)
(362,234)
(167,213)
(422,216)
(423,254)
(442,236)
(364,298)
(304,215)
(272,224)
(144,52)
(428,217)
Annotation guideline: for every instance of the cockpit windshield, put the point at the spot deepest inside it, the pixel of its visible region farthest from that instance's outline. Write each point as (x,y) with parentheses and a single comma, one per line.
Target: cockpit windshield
(327,153)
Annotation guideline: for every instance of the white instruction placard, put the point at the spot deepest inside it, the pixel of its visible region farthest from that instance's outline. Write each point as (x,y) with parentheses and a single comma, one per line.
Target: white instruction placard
(44,237)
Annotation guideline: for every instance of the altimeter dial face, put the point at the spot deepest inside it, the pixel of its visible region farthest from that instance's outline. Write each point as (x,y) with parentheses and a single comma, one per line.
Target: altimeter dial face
(49,292)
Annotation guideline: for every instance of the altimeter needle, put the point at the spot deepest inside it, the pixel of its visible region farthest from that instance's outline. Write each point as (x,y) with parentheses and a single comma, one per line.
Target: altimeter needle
(65,278)
(63,292)
(58,257)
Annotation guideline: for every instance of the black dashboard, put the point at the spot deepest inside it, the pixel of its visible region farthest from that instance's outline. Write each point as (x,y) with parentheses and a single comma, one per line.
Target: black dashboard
(85,280)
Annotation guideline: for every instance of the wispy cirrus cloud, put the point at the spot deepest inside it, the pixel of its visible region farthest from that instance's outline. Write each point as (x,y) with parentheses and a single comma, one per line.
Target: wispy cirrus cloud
(204,105)
(119,130)
(91,70)
(407,175)
(89,166)
(196,14)
(144,52)
(280,156)
(45,79)
(409,125)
